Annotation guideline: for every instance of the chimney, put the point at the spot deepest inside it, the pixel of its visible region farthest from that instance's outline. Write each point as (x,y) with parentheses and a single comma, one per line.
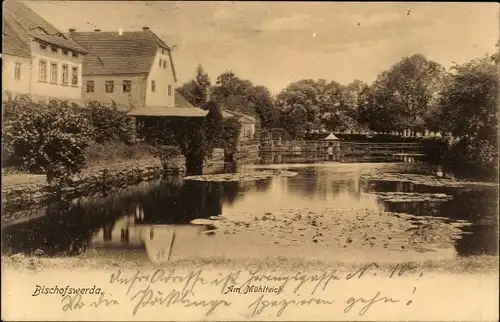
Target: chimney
(97,30)
(72,30)
(145,28)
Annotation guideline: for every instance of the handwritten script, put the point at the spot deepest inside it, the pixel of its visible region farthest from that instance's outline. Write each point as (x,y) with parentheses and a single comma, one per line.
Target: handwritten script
(254,290)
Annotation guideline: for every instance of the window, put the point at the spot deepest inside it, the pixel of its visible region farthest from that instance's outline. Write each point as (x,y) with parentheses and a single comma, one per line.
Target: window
(53,72)
(75,55)
(64,74)
(65,52)
(17,71)
(127,86)
(163,51)
(109,86)
(42,76)
(90,86)
(153,86)
(169,90)
(161,61)
(164,64)
(74,76)
(53,49)
(43,46)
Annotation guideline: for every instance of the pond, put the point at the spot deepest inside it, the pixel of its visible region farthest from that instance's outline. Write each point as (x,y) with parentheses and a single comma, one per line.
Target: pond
(325,212)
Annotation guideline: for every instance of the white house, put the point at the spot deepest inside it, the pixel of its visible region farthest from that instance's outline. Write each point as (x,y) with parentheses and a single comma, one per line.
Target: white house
(132,68)
(38,60)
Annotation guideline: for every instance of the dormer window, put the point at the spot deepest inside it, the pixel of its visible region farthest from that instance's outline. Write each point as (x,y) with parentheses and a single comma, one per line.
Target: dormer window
(43,47)
(65,52)
(75,55)
(53,49)
(41,30)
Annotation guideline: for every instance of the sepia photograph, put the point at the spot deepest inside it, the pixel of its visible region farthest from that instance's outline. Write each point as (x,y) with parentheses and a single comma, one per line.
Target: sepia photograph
(250,161)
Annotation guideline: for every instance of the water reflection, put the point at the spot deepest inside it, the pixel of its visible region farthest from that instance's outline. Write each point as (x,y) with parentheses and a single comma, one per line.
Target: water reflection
(156,218)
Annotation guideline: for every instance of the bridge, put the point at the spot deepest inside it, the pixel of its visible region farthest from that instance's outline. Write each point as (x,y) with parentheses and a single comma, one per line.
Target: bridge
(344,151)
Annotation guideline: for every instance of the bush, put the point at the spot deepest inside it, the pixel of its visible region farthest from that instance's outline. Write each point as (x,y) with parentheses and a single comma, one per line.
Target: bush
(116,152)
(36,136)
(473,159)
(165,153)
(109,124)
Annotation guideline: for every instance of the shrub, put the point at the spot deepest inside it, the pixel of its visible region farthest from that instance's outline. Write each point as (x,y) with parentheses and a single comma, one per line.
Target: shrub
(109,124)
(38,135)
(165,153)
(116,152)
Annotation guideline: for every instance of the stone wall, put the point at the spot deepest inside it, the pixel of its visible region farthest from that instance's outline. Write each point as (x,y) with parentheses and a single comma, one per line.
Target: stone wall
(98,180)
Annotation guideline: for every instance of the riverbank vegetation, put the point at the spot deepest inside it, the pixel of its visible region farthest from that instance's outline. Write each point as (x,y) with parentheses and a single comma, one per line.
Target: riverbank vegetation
(60,139)
(37,138)
(415,94)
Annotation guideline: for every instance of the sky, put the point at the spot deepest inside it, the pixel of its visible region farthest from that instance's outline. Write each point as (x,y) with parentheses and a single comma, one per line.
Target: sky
(276,43)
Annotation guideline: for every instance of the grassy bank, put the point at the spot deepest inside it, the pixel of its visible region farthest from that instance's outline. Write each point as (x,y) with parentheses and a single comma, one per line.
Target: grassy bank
(473,264)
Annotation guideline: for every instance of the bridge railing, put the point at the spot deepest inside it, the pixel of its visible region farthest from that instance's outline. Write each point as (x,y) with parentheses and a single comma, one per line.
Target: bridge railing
(317,150)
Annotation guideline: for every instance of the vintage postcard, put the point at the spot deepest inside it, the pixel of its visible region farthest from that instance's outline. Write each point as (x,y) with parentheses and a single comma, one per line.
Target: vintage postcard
(249,161)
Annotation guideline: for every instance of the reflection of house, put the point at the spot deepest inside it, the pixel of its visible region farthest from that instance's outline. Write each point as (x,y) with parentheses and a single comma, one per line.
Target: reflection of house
(131,233)
(121,233)
(37,59)
(247,123)
(131,68)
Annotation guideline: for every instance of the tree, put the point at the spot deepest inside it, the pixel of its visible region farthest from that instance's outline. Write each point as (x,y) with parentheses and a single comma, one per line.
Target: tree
(407,95)
(323,104)
(261,101)
(470,112)
(196,90)
(231,92)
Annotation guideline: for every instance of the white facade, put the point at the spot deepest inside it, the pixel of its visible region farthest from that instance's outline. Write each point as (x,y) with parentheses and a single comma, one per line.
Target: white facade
(160,81)
(16,74)
(56,73)
(50,73)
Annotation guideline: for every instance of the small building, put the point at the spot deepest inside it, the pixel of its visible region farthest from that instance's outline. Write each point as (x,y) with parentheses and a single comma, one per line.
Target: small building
(133,69)
(247,131)
(38,60)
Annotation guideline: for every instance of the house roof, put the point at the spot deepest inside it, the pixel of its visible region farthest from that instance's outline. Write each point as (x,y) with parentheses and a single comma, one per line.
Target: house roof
(12,44)
(113,53)
(28,25)
(181,101)
(228,114)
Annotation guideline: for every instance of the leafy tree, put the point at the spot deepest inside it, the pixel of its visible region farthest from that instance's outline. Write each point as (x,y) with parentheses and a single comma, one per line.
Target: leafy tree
(196,90)
(260,100)
(324,104)
(470,112)
(407,95)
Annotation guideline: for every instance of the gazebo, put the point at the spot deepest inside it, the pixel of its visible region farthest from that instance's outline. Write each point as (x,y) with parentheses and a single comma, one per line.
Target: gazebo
(331,137)
(333,149)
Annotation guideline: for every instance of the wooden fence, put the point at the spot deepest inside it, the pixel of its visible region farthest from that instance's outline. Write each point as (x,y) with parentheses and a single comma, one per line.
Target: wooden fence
(343,151)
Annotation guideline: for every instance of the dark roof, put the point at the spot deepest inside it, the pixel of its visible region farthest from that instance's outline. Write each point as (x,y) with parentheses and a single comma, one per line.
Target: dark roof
(181,101)
(240,116)
(27,25)
(12,44)
(112,53)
